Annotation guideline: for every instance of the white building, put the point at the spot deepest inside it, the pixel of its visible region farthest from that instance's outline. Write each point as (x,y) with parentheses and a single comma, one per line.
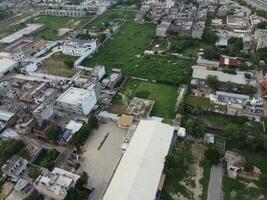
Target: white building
(6,65)
(77,47)
(261,38)
(140,169)
(77,100)
(55,184)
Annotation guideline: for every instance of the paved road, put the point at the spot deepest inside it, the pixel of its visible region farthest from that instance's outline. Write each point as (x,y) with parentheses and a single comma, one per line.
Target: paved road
(215,184)
(260,4)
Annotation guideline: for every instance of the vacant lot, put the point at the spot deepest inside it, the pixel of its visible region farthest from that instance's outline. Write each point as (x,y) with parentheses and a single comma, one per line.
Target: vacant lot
(58,26)
(125,51)
(185,174)
(204,103)
(56,65)
(164,96)
(101,155)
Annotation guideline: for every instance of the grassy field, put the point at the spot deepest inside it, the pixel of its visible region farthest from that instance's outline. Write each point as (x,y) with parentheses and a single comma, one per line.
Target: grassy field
(219,121)
(54,23)
(55,65)
(125,51)
(239,190)
(110,16)
(164,96)
(203,103)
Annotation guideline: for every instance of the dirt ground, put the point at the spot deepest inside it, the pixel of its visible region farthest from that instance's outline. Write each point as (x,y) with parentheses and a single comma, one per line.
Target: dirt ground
(63,31)
(6,189)
(196,173)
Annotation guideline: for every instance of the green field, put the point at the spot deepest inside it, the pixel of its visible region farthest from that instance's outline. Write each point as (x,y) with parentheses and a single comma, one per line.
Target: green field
(164,96)
(54,23)
(110,16)
(125,51)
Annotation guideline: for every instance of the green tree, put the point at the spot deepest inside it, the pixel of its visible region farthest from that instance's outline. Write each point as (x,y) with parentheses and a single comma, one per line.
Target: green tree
(248,166)
(263,180)
(93,122)
(213,155)
(212,81)
(232,131)
(248,89)
(34,172)
(211,53)
(209,36)
(53,134)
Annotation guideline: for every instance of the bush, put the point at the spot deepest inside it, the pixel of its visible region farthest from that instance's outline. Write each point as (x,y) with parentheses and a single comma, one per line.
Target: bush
(213,155)
(53,134)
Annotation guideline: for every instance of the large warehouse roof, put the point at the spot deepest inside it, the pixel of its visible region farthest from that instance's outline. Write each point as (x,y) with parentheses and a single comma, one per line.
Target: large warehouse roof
(140,169)
(203,73)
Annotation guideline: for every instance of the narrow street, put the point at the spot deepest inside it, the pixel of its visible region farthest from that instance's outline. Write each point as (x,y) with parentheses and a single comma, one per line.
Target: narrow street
(215,184)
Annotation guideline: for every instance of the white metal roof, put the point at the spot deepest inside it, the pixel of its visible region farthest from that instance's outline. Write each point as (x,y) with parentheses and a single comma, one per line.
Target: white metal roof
(202,73)
(5,116)
(140,169)
(25,31)
(6,64)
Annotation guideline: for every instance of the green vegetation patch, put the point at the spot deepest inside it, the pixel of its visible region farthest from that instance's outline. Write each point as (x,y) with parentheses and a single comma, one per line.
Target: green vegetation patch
(110,18)
(239,190)
(54,23)
(125,50)
(163,95)
(204,103)
(46,158)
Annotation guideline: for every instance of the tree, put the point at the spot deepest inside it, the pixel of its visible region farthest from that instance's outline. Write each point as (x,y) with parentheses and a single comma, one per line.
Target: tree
(262,25)
(190,125)
(263,180)
(209,36)
(248,166)
(34,172)
(213,155)
(53,134)
(212,81)
(211,53)
(232,131)
(248,89)
(82,180)
(230,85)
(93,122)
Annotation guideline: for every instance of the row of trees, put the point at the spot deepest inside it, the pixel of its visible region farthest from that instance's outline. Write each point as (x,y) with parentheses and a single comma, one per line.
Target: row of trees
(81,137)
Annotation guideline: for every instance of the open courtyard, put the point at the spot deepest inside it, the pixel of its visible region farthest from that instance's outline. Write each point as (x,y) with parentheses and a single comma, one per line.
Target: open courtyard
(101,155)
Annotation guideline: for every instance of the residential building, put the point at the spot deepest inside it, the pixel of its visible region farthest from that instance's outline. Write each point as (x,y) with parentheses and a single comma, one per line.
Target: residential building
(77,100)
(6,65)
(62,12)
(77,47)
(15,167)
(261,38)
(235,162)
(7,119)
(43,112)
(142,163)
(113,79)
(163,27)
(231,97)
(55,184)
(236,22)
(229,61)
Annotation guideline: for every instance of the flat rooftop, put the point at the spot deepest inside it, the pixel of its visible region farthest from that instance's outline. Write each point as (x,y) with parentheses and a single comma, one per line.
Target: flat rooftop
(74,95)
(30,28)
(200,72)
(6,64)
(139,171)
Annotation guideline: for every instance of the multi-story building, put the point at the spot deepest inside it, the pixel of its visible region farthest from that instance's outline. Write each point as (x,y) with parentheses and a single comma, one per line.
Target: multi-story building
(77,47)
(55,184)
(261,38)
(77,100)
